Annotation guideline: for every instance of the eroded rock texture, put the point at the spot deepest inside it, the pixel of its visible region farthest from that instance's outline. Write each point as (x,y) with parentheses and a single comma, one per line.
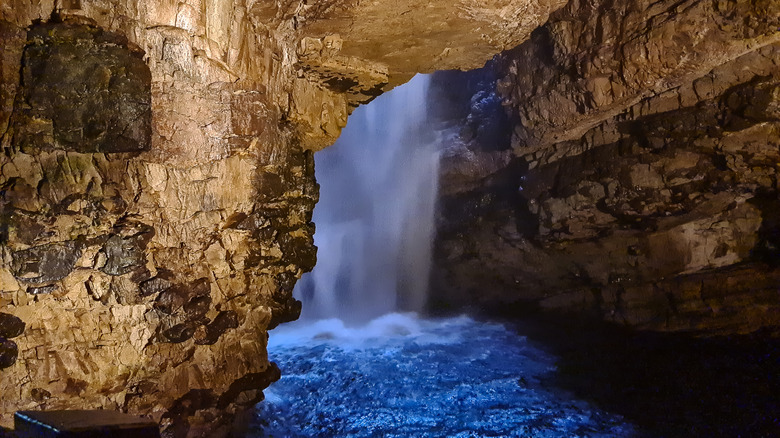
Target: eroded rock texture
(156,182)
(645,189)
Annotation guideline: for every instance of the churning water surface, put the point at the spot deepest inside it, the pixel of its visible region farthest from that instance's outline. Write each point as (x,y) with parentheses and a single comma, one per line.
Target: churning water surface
(401,376)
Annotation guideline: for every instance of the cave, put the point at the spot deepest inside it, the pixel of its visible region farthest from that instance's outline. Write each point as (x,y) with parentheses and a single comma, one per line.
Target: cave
(610,191)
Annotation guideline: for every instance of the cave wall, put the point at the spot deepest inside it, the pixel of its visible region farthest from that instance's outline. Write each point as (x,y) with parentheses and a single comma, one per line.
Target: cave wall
(644,187)
(155,215)
(156,183)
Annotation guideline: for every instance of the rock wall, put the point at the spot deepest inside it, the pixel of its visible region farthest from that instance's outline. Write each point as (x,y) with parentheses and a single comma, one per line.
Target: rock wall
(645,185)
(156,183)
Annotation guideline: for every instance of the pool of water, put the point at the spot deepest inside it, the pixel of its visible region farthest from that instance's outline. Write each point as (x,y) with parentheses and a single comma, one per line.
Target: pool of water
(403,376)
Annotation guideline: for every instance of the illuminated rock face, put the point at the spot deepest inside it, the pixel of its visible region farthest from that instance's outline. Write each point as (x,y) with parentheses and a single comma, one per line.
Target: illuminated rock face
(156,180)
(645,188)
(156,183)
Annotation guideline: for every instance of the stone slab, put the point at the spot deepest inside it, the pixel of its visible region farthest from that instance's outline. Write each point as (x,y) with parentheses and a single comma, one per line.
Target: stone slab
(83,424)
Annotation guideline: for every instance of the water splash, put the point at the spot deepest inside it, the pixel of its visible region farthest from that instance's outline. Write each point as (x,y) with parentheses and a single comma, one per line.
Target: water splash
(401,376)
(376,211)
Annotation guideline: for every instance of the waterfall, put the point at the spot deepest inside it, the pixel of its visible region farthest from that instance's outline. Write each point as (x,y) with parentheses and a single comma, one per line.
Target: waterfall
(375,217)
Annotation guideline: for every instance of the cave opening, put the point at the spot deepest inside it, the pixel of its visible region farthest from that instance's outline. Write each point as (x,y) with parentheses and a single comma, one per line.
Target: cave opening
(367,357)
(383,347)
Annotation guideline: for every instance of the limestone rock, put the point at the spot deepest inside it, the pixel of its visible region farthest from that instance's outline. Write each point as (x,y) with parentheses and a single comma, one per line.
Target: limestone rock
(646,143)
(157,182)
(83,91)
(592,60)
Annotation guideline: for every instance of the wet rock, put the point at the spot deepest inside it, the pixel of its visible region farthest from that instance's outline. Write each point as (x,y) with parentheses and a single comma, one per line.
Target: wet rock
(100,104)
(42,290)
(171,300)
(154,285)
(224,321)
(45,263)
(8,353)
(285,307)
(10,326)
(197,307)
(271,184)
(250,382)
(624,203)
(40,395)
(299,250)
(176,297)
(179,332)
(287,311)
(125,254)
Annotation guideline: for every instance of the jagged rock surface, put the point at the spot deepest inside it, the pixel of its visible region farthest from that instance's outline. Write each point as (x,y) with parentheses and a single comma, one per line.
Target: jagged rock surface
(156,182)
(645,188)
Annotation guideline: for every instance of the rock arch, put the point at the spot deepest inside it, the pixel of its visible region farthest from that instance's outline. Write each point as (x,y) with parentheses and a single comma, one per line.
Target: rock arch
(157,182)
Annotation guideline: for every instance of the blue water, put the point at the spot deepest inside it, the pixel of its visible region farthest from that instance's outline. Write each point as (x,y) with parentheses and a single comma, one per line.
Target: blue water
(400,376)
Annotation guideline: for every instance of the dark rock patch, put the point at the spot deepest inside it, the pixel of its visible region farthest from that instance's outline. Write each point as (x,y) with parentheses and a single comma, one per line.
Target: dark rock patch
(8,353)
(75,386)
(197,307)
(288,311)
(299,250)
(40,395)
(186,406)
(341,84)
(171,300)
(224,321)
(176,297)
(42,290)
(285,308)
(45,263)
(156,284)
(84,90)
(10,326)
(250,382)
(271,185)
(179,333)
(126,254)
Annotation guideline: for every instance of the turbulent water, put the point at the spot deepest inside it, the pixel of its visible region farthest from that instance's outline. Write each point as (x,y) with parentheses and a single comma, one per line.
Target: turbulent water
(400,376)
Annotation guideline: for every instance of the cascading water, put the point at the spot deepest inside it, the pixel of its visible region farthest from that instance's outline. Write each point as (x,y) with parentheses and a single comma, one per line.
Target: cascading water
(352,367)
(376,209)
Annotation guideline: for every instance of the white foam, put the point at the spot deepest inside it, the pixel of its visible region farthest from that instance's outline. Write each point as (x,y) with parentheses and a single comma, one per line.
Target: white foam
(386,329)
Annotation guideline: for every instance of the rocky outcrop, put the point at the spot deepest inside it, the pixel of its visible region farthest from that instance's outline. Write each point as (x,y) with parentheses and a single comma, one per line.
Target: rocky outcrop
(156,183)
(644,189)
